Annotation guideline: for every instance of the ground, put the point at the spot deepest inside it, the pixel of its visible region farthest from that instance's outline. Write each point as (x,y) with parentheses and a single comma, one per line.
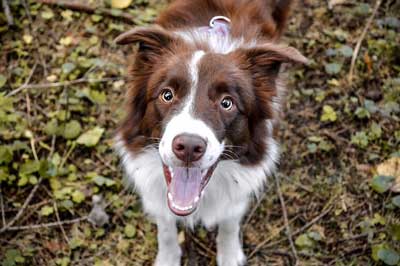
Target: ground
(339,173)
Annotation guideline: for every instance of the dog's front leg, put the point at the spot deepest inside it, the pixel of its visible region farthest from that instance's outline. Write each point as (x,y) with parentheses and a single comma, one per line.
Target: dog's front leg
(229,248)
(169,251)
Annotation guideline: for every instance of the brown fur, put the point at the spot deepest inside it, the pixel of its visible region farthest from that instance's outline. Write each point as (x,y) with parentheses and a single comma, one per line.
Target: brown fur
(248,75)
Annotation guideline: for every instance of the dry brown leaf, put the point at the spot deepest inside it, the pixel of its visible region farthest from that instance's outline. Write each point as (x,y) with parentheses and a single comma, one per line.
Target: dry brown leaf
(333,3)
(120,4)
(391,167)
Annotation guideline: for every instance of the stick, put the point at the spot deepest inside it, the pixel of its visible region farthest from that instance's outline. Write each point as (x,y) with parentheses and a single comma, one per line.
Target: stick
(77,6)
(360,40)
(59,222)
(59,84)
(285,218)
(313,221)
(47,225)
(3,217)
(7,12)
(10,224)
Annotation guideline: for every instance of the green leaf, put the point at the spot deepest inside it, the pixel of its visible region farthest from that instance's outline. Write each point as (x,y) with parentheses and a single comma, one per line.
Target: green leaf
(78,196)
(362,113)
(3,81)
(346,51)
(51,127)
(396,201)
(29,167)
(304,241)
(375,131)
(360,139)
(388,256)
(72,129)
(46,210)
(130,231)
(120,3)
(333,68)
(47,14)
(382,183)
(68,68)
(90,138)
(328,114)
(6,154)
(76,243)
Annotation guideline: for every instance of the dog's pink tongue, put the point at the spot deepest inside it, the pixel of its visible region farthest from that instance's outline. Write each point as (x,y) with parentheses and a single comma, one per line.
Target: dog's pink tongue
(185,185)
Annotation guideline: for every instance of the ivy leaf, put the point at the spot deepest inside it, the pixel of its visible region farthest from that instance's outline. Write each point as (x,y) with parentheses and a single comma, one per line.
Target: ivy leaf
(78,196)
(346,51)
(360,139)
(382,183)
(130,231)
(328,114)
(304,241)
(68,68)
(396,201)
(388,256)
(6,154)
(90,138)
(72,129)
(46,210)
(29,167)
(333,68)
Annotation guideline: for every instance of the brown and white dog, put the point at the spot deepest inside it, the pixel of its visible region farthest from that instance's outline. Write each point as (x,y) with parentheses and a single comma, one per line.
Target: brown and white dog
(203,104)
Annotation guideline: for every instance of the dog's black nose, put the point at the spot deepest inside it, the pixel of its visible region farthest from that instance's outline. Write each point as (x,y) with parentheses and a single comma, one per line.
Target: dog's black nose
(188,147)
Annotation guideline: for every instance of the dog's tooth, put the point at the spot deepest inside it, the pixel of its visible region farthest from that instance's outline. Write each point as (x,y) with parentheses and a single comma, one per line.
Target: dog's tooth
(169,196)
(196,199)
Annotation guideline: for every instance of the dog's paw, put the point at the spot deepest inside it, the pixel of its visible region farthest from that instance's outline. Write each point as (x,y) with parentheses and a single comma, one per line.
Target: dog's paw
(232,260)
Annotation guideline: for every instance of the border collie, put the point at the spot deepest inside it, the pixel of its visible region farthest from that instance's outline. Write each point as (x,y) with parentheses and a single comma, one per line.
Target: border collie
(203,103)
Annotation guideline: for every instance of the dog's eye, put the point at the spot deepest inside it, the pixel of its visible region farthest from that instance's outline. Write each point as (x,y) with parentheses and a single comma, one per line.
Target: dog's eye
(227,103)
(167,95)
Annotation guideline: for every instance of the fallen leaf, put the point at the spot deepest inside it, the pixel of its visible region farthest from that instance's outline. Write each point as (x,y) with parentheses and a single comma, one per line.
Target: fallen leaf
(121,4)
(328,114)
(91,138)
(391,167)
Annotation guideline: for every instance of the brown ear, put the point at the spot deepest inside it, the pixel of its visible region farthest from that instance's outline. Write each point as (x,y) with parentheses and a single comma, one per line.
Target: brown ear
(266,59)
(151,40)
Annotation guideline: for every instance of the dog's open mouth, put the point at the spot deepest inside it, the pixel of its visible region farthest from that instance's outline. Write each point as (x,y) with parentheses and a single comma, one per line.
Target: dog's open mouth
(185,187)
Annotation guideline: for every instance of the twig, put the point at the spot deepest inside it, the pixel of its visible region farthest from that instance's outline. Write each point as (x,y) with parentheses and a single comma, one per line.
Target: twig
(37,42)
(60,84)
(313,221)
(7,12)
(59,222)
(20,212)
(3,217)
(39,226)
(360,40)
(285,218)
(78,6)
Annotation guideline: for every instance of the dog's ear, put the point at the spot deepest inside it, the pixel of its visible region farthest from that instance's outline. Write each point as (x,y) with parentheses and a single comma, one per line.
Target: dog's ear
(264,61)
(152,41)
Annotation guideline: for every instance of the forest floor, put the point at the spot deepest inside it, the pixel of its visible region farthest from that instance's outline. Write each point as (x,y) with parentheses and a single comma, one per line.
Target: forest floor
(339,172)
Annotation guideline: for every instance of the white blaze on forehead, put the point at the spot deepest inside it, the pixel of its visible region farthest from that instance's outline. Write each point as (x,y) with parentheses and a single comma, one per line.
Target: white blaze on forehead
(194,76)
(184,123)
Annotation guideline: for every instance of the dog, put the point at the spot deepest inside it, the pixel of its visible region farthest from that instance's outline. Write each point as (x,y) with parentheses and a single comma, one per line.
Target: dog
(203,104)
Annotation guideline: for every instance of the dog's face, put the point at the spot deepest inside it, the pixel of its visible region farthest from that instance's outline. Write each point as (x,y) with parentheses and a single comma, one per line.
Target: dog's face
(199,107)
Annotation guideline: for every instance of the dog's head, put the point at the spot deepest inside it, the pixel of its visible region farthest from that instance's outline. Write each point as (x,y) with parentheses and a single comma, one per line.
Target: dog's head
(200,106)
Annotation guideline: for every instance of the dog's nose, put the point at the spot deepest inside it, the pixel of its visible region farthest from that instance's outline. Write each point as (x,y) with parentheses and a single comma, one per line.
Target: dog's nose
(188,147)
